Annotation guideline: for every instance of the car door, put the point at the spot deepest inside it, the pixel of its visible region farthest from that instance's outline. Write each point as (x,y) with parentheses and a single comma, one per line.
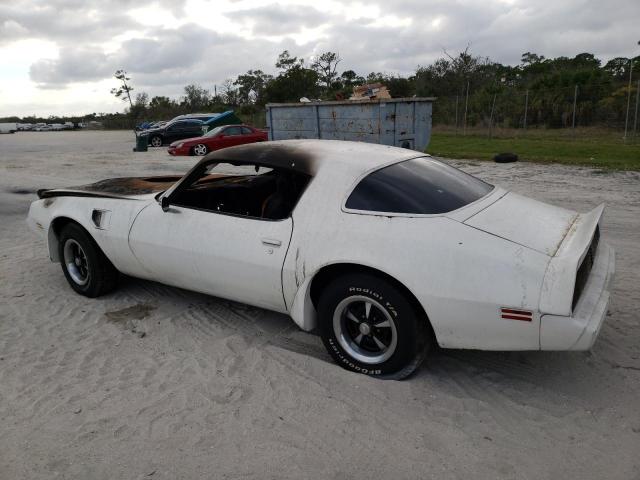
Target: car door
(229,256)
(233,136)
(223,139)
(172,132)
(249,135)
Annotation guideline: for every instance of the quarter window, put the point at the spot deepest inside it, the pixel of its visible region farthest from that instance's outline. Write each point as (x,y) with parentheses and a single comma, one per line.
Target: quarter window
(418,186)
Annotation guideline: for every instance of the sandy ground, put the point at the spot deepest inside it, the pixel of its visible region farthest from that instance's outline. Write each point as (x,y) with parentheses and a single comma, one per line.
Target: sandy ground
(160,383)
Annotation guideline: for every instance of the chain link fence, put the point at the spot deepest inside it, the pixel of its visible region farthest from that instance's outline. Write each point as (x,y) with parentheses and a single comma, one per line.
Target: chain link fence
(516,111)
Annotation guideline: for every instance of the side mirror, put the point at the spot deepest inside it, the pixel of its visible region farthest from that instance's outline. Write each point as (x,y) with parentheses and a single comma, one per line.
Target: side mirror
(164,203)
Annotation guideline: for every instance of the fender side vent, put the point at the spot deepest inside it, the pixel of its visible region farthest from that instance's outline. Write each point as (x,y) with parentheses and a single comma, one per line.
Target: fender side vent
(100,218)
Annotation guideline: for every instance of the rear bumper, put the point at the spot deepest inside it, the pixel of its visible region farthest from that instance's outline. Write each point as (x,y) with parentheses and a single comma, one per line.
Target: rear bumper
(579,331)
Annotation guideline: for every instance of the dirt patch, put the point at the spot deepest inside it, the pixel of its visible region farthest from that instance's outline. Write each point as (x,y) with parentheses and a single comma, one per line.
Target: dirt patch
(20,191)
(126,317)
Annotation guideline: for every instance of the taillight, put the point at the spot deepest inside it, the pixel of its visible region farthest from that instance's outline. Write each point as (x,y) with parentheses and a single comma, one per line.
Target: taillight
(511,314)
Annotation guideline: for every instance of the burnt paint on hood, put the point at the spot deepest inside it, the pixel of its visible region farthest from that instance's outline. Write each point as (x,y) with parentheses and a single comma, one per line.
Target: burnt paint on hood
(115,187)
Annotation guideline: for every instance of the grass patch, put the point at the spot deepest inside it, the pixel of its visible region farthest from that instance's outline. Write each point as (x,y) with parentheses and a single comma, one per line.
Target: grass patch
(590,147)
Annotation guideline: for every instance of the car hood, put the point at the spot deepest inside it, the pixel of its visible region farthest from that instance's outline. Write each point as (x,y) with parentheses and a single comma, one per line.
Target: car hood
(149,131)
(125,187)
(190,140)
(525,221)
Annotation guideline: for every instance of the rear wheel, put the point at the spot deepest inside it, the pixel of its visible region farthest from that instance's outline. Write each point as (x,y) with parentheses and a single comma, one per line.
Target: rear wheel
(200,149)
(155,141)
(86,268)
(369,326)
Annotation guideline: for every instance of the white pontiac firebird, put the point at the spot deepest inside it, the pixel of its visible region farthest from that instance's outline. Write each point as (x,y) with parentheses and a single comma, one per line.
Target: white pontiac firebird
(385,250)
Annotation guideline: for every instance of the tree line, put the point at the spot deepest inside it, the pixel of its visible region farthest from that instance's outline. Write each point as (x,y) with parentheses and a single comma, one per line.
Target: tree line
(464,84)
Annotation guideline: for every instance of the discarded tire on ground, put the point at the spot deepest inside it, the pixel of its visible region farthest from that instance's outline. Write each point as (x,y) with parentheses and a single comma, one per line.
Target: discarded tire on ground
(505,158)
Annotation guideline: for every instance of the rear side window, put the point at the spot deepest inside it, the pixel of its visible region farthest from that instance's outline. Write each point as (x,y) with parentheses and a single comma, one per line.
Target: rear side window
(233,131)
(417,186)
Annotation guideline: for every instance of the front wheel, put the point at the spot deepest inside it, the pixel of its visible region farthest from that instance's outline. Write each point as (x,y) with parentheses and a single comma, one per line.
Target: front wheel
(369,326)
(86,268)
(156,141)
(200,149)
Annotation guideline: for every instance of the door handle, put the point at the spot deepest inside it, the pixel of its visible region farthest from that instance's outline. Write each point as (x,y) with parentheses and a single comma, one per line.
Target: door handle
(271,242)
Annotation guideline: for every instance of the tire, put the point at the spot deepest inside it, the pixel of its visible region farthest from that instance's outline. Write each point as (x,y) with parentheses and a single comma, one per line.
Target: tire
(394,340)
(86,268)
(505,158)
(200,149)
(155,141)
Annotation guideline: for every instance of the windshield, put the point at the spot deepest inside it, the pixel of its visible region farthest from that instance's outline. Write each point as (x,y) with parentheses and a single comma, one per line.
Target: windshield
(214,132)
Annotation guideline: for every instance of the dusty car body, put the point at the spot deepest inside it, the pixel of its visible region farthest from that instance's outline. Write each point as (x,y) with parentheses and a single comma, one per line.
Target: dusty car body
(384,249)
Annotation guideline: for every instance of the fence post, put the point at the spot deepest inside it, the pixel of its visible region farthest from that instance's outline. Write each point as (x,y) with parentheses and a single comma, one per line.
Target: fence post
(456,114)
(635,118)
(575,99)
(466,103)
(626,120)
(493,104)
(526,106)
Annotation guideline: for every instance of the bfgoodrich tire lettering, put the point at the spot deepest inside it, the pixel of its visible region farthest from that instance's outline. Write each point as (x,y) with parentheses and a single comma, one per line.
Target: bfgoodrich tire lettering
(86,268)
(368,326)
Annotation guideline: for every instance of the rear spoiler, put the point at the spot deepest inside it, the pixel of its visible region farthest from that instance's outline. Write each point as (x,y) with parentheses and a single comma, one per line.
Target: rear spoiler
(560,277)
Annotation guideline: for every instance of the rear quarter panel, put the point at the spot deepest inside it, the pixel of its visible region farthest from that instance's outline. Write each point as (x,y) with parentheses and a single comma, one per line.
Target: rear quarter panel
(460,275)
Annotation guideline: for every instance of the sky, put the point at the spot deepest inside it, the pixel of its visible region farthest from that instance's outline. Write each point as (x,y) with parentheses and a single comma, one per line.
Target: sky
(58,57)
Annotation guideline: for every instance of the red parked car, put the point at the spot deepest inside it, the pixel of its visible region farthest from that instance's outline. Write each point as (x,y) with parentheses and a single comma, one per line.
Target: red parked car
(220,137)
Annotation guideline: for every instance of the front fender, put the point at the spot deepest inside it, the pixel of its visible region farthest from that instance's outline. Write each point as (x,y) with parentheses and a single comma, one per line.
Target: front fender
(39,220)
(109,228)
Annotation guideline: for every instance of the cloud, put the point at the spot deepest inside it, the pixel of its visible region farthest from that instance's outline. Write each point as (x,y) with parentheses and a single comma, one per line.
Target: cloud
(179,56)
(276,19)
(68,22)
(74,65)
(202,41)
